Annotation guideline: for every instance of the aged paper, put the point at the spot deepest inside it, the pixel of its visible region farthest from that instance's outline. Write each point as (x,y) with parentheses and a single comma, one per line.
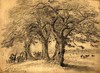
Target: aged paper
(49,36)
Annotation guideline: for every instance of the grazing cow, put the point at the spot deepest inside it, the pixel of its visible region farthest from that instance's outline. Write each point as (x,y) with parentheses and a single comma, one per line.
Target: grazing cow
(84,56)
(81,47)
(92,55)
(69,45)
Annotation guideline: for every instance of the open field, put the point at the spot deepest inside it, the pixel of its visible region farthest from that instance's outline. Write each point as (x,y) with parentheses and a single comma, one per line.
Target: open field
(73,64)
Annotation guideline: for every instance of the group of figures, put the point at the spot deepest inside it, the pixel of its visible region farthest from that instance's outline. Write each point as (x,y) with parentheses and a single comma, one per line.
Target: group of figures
(21,57)
(17,58)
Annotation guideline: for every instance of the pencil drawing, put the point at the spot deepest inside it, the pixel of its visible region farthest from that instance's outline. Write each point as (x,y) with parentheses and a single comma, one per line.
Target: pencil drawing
(67,24)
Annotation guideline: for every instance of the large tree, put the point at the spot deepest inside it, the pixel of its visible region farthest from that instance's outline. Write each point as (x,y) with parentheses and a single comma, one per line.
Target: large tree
(59,19)
(67,19)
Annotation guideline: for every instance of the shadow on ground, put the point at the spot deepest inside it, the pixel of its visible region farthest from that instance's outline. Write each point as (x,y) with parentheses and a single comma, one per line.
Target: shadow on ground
(77,68)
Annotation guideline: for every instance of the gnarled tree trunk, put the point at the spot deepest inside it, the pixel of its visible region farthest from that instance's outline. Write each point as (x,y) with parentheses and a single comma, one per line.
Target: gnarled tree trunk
(58,56)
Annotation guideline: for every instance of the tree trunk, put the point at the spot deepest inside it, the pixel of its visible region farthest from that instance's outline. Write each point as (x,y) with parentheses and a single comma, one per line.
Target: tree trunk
(45,54)
(58,56)
(27,50)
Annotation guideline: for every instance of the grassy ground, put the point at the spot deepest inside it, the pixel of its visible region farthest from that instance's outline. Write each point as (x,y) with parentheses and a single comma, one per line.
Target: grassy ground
(41,67)
(73,64)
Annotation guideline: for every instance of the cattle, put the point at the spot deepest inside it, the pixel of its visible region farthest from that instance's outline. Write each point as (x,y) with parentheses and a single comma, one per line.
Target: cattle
(94,45)
(92,55)
(82,47)
(84,56)
(69,45)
